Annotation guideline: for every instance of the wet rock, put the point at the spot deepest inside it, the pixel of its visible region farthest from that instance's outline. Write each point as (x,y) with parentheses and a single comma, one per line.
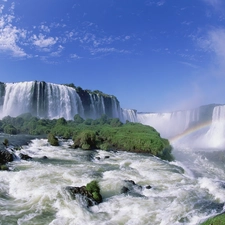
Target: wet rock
(124,190)
(44,157)
(132,184)
(98,158)
(148,187)
(107,157)
(90,194)
(24,156)
(5,157)
(131,188)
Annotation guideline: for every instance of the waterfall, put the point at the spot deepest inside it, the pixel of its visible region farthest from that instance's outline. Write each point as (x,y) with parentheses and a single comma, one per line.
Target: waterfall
(48,100)
(215,137)
(42,99)
(116,110)
(17,99)
(92,107)
(130,115)
(169,124)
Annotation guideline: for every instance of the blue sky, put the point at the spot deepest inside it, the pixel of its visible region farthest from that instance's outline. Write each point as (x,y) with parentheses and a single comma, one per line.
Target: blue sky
(153,55)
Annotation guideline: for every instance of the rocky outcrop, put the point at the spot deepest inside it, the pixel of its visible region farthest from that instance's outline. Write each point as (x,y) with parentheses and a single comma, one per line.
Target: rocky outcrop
(5,157)
(90,193)
(24,156)
(130,187)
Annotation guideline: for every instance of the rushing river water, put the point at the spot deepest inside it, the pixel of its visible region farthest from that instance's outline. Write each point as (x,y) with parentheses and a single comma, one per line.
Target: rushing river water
(186,191)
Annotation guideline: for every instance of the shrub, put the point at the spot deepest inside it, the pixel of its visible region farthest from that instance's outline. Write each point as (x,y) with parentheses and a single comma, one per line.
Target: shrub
(10,129)
(86,140)
(94,189)
(53,140)
(78,119)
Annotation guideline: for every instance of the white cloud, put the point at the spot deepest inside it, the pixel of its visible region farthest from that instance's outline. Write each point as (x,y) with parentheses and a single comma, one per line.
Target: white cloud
(107,50)
(75,56)
(214,42)
(58,52)
(8,41)
(45,28)
(155,2)
(1,8)
(43,42)
(10,35)
(214,3)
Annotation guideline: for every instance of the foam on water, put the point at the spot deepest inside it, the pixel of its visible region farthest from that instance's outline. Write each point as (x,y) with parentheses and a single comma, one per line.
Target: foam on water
(34,193)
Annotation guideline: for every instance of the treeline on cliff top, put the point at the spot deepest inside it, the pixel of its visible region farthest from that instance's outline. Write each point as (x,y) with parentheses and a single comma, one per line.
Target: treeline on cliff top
(103,133)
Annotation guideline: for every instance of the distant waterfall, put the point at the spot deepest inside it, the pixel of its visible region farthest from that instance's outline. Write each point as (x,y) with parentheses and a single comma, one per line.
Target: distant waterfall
(215,137)
(48,100)
(42,99)
(169,124)
(130,115)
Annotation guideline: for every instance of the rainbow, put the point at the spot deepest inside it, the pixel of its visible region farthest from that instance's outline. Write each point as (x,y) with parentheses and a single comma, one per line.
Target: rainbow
(189,131)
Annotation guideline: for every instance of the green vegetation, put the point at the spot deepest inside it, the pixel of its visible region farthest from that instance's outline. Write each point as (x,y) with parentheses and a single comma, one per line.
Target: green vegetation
(217,220)
(5,142)
(94,189)
(103,133)
(53,140)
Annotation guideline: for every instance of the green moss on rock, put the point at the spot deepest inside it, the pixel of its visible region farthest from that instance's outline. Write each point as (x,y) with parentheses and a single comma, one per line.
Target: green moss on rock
(53,140)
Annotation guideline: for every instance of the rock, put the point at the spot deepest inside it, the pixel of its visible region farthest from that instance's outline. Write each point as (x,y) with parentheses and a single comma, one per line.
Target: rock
(107,157)
(124,190)
(24,156)
(44,157)
(148,187)
(98,158)
(132,184)
(131,188)
(90,193)
(5,157)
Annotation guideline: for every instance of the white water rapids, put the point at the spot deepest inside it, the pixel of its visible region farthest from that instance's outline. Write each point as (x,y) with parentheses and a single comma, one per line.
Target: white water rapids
(186,191)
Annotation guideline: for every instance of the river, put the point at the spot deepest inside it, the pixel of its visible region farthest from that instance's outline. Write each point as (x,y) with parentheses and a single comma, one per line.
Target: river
(186,191)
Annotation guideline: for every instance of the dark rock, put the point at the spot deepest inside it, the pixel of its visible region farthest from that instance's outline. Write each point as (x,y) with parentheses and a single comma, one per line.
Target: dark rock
(148,187)
(131,188)
(130,182)
(107,157)
(124,190)
(24,156)
(98,158)
(5,157)
(88,196)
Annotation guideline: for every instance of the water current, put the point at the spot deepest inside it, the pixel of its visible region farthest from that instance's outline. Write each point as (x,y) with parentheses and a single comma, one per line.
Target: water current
(186,191)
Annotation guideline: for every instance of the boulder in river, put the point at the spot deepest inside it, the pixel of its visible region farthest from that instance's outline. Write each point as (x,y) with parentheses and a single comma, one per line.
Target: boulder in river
(5,156)
(90,193)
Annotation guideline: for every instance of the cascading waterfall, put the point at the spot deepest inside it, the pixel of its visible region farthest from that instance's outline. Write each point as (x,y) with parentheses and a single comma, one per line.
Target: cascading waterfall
(97,105)
(116,110)
(42,99)
(48,100)
(92,106)
(130,115)
(17,99)
(215,137)
(169,124)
